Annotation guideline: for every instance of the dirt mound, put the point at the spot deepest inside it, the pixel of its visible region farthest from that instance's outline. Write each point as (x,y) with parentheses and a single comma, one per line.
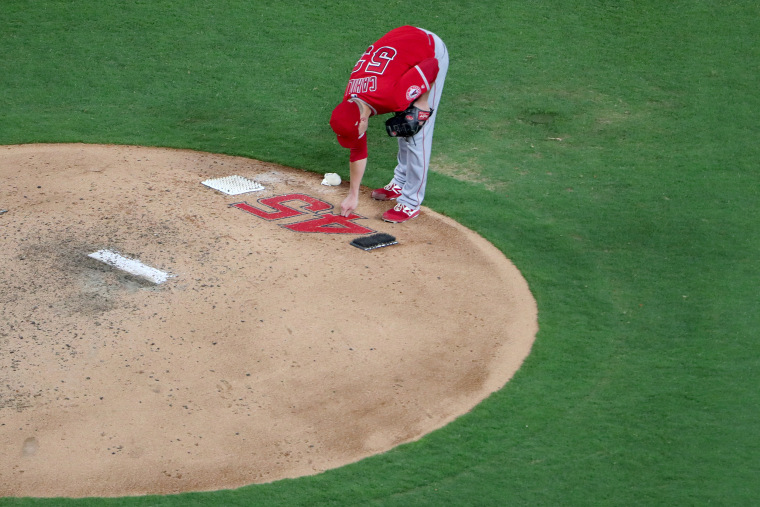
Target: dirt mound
(275,349)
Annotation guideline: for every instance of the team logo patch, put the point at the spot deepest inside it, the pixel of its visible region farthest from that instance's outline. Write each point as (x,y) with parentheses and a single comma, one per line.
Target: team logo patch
(413,92)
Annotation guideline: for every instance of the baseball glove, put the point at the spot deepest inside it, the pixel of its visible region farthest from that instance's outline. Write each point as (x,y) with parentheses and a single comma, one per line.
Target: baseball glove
(407,123)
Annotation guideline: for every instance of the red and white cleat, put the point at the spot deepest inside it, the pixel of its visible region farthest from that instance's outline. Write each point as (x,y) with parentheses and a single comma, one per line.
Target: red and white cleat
(387,193)
(400,213)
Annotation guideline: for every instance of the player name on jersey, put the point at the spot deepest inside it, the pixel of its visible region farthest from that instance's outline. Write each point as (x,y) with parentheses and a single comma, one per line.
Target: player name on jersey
(361,85)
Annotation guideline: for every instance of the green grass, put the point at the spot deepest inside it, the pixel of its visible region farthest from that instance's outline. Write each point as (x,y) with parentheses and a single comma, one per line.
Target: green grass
(608,148)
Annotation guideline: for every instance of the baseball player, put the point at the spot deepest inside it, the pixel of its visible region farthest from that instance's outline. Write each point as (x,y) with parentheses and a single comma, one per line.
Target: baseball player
(402,73)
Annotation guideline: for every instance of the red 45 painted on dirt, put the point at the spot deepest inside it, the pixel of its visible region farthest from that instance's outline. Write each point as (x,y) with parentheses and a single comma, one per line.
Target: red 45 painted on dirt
(320,219)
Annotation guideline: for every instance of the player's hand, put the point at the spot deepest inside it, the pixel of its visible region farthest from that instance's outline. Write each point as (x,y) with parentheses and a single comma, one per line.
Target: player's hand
(348,205)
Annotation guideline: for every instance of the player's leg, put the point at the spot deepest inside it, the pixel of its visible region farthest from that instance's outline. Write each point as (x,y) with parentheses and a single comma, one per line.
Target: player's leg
(414,154)
(392,190)
(402,159)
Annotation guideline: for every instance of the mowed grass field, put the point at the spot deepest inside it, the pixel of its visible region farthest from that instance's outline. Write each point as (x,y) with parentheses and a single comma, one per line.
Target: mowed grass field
(610,149)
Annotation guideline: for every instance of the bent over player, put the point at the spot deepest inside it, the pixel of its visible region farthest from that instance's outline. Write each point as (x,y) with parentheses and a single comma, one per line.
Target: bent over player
(402,73)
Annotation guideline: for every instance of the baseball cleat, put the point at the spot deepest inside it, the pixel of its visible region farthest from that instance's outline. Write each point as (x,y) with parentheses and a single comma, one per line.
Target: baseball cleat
(387,193)
(400,213)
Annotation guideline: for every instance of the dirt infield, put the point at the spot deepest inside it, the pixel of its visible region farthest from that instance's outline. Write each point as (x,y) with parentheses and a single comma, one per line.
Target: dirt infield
(274,350)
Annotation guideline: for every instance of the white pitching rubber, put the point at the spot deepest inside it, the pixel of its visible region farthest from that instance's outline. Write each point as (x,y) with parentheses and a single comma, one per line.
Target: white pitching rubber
(131,266)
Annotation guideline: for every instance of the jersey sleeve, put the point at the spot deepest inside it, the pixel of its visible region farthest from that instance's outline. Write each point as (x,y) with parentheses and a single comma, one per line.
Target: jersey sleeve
(415,82)
(359,152)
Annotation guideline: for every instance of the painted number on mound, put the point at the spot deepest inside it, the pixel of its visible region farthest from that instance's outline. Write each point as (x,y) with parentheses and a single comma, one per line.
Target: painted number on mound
(316,209)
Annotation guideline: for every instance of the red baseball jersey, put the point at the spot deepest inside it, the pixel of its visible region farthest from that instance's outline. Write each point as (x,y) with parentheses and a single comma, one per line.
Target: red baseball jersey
(394,71)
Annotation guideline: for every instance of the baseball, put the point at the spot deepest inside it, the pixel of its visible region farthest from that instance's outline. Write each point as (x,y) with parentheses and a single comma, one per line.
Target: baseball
(331,179)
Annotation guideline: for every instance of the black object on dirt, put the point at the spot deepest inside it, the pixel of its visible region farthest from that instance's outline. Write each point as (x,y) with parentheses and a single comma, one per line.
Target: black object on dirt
(374,241)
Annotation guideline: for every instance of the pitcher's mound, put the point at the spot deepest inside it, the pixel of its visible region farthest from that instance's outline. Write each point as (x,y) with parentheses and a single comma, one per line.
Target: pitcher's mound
(272,349)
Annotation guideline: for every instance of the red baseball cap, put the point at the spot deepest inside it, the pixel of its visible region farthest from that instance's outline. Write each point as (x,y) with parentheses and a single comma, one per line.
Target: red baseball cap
(345,123)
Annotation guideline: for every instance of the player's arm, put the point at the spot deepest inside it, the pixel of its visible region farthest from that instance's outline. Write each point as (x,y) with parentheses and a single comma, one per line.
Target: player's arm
(423,102)
(415,82)
(356,169)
